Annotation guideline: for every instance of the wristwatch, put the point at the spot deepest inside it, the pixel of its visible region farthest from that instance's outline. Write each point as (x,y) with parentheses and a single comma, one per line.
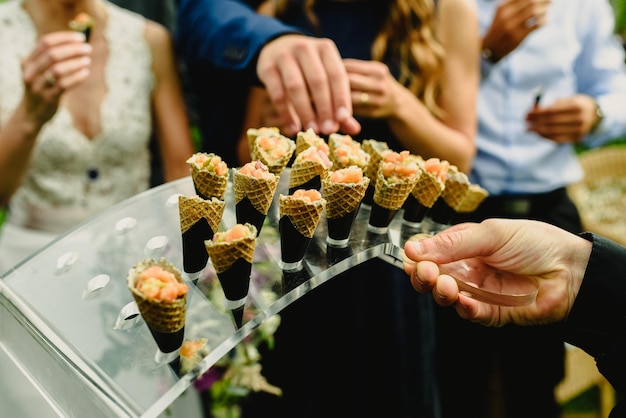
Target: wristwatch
(599,118)
(487,54)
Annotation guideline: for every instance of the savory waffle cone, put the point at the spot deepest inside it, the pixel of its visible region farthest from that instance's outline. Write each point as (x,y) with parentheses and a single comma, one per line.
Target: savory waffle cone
(474,196)
(193,208)
(303,171)
(275,166)
(392,195)
(161,316)
(303,215)
(455,188)
(309,138)
(260,191)
(342,198)
(376,151)
(253,133)
(224,254)
(427,189)
(208,184)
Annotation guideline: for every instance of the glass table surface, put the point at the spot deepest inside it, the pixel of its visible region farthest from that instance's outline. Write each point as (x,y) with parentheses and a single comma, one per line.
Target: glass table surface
(70,302)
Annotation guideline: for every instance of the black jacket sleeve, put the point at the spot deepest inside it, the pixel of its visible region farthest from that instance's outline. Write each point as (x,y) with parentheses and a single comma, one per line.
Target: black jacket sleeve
(597,321)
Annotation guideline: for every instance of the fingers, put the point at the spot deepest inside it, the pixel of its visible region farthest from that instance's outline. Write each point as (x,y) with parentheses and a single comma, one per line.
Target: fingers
(455,243)
(282,101)
(59,60)
(307,82)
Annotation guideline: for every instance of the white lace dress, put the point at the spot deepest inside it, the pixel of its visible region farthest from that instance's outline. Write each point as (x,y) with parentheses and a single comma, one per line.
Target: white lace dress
(72,177)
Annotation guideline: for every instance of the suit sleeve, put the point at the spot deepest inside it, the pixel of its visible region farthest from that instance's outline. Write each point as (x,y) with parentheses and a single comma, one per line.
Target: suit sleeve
(226,34)
(597,321)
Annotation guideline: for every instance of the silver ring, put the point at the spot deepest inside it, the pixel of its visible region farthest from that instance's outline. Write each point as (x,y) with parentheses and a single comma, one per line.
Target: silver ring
(50,79)
(365,98)
(530,22)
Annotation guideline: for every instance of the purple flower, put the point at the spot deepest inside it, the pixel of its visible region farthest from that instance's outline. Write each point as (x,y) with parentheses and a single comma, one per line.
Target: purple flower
(205,381)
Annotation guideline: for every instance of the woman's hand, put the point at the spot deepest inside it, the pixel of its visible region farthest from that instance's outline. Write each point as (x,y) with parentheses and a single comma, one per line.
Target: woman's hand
(59,61)
(373,88)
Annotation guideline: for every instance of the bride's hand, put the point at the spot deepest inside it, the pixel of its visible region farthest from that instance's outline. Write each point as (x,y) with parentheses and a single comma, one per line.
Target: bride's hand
(59,61)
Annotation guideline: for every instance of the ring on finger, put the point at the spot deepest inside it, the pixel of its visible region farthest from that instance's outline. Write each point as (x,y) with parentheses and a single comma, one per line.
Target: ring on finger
(365,98)
(50,79)
(530,22)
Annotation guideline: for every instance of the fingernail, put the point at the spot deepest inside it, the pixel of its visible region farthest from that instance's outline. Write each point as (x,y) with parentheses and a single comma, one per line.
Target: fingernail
(312,125)
(343,113)
(328,126)
(417,246)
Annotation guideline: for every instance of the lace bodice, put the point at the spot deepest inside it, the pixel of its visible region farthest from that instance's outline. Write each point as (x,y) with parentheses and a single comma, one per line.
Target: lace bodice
(71,175)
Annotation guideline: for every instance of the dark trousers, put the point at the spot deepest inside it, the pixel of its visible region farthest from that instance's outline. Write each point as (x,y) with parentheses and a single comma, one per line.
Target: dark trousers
(510,371)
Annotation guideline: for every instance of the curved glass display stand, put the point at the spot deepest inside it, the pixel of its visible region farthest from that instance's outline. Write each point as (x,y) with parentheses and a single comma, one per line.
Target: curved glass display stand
(70,322)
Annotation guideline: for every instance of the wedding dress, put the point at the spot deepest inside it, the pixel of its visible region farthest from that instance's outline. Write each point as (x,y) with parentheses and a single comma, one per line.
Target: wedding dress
(70,176)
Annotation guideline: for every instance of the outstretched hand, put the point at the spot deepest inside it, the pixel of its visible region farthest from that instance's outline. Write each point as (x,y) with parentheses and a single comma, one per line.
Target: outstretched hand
(554,258)
(307,84)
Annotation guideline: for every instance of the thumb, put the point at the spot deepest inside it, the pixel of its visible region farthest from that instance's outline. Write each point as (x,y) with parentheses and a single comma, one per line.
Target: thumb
(458,242)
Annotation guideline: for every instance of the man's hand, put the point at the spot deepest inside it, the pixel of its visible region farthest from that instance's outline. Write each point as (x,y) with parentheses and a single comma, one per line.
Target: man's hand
(512,22)
(308,85)
(566,120)
(551,257)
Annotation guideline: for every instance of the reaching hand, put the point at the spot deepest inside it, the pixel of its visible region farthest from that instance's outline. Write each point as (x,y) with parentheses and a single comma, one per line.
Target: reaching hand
(59,61)
(554,258)
(307,83)
(512,22)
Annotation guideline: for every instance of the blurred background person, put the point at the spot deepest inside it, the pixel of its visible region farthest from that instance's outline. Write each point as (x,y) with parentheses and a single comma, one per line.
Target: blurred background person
(552,78)
(76,117)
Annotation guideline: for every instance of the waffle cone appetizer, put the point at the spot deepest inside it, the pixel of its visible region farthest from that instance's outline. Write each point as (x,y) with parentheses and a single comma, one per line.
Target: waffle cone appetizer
(199,220)
(82,23)
(303,214)
(193,208)
(452,196)
(345,152)
(299,216)
(254,188)
(273,150)
(309,138)
(344,190)
(225,253)
(343,198)
(426,191)
(253,133)
(455,188)
(376,151)
(232,253)
(163,307)
(391,195)
(308,169)
(396,177)
(474,196)
(209,174)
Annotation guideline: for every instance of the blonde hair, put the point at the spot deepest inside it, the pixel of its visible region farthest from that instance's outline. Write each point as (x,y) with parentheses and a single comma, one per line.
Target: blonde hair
(408,38)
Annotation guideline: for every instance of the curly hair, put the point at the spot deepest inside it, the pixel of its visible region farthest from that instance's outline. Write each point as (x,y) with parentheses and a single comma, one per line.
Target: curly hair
(407,37)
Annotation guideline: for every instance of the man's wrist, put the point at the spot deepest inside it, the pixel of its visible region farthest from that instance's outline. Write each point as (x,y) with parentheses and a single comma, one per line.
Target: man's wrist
(599,117)
(487,55)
